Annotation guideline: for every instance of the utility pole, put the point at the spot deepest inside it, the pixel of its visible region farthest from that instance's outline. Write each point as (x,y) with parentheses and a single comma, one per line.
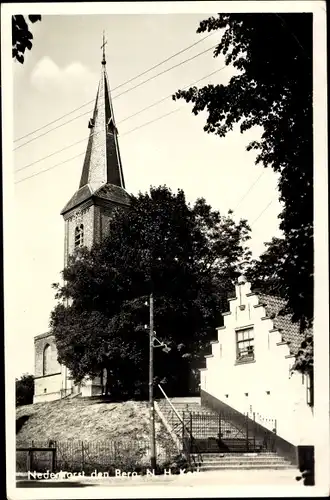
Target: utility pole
(151,385)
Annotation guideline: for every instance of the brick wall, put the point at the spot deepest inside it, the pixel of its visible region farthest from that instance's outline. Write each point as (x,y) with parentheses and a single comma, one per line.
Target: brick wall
(102,217)
(39,347)
(46,388)
(83,216)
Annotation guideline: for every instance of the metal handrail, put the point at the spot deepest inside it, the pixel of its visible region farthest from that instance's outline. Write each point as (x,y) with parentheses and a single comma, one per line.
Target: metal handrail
(183,425)
(177,414)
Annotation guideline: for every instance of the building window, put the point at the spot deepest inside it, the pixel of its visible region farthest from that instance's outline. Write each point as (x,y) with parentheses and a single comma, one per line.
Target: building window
(79,236)
(46,359)
(245,344)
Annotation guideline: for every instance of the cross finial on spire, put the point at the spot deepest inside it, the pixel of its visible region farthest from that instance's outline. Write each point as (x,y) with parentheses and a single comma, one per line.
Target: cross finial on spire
(103,49)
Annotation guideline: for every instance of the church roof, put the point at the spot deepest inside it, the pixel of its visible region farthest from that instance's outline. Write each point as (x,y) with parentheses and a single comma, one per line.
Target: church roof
(290,331)
(102,173)
(109,192)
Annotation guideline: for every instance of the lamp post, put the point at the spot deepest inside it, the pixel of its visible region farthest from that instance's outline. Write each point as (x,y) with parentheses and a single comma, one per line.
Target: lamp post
(151,384)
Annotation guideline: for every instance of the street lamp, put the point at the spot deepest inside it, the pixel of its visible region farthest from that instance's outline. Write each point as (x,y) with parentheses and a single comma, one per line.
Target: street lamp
(152,346)
(151,384)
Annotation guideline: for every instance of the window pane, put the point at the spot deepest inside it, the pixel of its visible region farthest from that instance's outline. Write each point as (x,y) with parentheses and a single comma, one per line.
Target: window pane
(247,334)
(239,336)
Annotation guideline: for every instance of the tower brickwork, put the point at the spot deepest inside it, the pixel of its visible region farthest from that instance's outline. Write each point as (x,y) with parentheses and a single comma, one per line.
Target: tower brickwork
(87,218)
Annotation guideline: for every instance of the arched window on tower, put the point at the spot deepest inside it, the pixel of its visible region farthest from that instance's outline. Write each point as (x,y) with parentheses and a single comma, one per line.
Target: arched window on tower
(46,359)
(79,236)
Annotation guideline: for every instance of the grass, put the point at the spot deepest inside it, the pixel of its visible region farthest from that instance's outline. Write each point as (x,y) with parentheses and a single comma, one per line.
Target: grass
(95,425)
(85,419)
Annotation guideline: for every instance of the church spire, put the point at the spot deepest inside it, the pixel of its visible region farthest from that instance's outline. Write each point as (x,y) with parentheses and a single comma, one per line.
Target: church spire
(102,164)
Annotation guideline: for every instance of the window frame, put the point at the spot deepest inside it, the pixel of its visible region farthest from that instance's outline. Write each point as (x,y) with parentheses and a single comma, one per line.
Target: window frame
(79,236)
(249,331)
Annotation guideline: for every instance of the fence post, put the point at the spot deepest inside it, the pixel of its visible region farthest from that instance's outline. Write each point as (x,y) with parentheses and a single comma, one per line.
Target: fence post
(247,432)
(183,434)
(31,456)
(254,431)
(29,461)
(190,415)
(220,427)
(54,460)
(82,456)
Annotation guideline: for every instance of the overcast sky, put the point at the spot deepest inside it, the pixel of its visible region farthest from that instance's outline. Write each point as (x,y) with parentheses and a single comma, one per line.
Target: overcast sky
(61,73)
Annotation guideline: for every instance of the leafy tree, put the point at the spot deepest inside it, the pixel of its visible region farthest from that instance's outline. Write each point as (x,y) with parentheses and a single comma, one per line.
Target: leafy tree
(24,390)
(188,257)
(21,35)
(272,88)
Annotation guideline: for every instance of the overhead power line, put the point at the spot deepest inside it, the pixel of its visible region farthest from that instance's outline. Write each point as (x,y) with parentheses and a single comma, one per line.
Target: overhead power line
(125,119)
(56,152)
(249,190)
(262,212)
(122,93)
(119,86)
(84,152)
(170,95)
(152,121)
(166,70)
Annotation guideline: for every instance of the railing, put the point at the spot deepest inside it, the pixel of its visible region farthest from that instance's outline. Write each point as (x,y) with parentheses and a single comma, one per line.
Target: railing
(182,430)
(259,429)
(218,432)
(31,452)
(78,456)
(267,422)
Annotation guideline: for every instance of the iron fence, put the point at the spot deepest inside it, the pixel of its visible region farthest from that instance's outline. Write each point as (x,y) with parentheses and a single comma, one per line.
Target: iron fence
(221,432)
(78,456)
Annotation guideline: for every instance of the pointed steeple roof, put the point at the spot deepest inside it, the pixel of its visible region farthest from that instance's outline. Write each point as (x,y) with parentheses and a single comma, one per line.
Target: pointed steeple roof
(102,173)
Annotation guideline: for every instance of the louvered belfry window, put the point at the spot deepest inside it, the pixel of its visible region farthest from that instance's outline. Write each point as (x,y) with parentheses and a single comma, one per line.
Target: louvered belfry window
(79,236)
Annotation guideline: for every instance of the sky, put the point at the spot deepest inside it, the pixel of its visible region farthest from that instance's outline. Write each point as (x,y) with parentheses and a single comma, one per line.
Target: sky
(60,74)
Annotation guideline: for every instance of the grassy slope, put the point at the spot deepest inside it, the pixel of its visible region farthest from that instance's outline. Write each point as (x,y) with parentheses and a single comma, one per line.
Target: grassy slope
(85,420)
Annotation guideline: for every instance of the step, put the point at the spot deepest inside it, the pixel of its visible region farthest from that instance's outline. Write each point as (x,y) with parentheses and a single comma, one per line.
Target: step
(244,462)
(238,455)
(205,460)
(174,401)
(245,467)
(242,459)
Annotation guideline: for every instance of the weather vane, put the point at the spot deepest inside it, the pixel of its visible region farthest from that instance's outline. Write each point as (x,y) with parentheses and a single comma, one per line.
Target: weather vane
(103,49)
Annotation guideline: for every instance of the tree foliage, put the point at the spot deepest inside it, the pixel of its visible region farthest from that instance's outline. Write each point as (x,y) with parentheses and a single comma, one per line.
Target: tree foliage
(24,390)
(272,88)
(187,256)
(22,36)
(304,361)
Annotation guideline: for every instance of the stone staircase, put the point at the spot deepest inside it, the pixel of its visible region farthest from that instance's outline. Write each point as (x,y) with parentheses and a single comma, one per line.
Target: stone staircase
(219,461)
(185,406)
(216,459)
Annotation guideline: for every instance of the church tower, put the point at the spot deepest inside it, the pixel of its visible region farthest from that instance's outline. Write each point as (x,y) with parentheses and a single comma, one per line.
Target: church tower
(88,213)
(87,217)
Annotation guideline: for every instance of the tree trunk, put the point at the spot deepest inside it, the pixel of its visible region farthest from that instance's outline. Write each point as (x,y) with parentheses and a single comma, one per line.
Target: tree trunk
(107,381)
